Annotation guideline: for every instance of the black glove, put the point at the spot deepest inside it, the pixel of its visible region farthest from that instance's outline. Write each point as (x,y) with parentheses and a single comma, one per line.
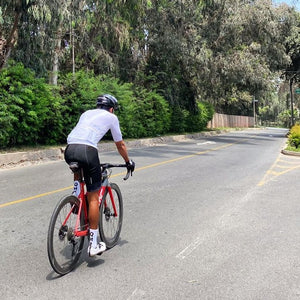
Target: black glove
(130,165)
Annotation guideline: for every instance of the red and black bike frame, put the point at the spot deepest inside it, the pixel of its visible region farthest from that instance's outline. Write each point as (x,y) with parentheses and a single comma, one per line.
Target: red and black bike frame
(80,230)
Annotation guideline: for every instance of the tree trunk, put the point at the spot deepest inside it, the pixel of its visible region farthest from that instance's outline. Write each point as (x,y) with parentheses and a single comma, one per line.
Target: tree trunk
(7,45)
(55,64)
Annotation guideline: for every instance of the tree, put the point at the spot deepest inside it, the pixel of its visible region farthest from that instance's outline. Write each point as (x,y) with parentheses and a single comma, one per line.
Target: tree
(224,52)
(10,15)
(292,45)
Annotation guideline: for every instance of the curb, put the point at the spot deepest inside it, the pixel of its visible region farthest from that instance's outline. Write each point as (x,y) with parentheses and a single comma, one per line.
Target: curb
(292,153)
(14,159)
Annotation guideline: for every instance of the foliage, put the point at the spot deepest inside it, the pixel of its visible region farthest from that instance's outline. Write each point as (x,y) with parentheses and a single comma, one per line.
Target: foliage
(162,59)
(152,112)
(142,113)
(33,112)
(285,117)
(197,121)
(224,52)
(294,136)
(178,119)
(29,109)
(293,47)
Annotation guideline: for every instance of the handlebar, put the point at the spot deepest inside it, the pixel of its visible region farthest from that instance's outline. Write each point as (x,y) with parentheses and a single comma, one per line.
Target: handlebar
(108,166)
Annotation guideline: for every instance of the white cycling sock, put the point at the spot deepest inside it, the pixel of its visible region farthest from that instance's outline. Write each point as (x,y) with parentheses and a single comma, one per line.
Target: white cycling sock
(94,237)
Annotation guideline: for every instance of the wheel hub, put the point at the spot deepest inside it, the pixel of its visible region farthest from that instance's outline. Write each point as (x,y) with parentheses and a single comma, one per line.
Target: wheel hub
(107,213)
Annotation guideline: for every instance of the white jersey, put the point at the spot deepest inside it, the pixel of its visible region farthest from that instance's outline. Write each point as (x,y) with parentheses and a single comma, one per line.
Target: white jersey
(93,125)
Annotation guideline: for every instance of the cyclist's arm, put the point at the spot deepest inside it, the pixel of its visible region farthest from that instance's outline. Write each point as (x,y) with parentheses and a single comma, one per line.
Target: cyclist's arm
(122,150)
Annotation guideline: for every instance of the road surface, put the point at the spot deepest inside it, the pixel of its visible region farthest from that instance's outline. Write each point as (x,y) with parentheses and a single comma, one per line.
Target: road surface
(213,218)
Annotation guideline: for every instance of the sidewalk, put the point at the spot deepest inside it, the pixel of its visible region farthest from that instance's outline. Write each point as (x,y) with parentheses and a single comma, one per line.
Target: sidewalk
(18,159)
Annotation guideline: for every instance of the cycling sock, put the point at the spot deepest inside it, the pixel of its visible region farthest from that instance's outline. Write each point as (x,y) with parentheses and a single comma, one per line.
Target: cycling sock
(93,237)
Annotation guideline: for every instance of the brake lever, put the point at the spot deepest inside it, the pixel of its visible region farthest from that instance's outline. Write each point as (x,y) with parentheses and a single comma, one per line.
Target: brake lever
(127,175)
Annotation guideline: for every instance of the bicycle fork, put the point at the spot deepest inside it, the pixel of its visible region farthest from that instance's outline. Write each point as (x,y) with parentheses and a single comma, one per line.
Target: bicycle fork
(106,186)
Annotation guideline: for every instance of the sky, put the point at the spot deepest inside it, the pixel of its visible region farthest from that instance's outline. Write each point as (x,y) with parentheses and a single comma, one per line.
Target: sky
(295,3)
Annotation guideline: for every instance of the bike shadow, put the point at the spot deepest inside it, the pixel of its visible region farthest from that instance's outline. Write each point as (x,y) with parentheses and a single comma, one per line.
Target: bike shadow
(91,262)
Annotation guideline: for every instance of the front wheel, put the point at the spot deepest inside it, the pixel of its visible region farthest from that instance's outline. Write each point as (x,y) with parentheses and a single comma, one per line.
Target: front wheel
(111,216)
(64,248)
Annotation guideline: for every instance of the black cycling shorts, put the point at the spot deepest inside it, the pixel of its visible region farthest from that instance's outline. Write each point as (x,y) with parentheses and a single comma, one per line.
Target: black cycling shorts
(88,159)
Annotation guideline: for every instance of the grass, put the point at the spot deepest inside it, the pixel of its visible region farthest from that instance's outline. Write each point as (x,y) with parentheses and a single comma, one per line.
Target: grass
(293,149)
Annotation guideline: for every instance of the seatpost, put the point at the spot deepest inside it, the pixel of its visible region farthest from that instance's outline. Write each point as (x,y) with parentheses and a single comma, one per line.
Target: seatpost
(76,176)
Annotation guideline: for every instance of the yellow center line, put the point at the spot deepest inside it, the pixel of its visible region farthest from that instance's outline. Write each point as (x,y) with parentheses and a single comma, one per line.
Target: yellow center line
(34,197)
(119,174)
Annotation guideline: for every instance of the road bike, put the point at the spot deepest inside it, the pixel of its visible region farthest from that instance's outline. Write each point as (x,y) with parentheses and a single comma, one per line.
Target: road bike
(69,224)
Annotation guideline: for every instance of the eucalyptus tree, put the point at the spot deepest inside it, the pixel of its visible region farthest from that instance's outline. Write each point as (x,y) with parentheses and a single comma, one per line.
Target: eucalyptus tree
(225,52)
(293,47)
(246,41)
(110,36)
(48,36)
(40,30)
(172,32)
(10,15)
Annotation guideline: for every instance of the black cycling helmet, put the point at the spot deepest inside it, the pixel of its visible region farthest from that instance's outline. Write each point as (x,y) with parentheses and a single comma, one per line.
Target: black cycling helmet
(107,101)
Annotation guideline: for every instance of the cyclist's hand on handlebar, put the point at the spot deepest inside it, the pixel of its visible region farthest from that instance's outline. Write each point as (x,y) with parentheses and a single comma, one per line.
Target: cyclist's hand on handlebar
(130,165)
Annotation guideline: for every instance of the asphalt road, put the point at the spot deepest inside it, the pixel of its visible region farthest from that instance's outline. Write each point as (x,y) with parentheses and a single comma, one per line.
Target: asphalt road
(214,218)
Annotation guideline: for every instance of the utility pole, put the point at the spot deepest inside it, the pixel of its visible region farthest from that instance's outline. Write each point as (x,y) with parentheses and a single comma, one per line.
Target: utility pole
(254,112)
(292,100)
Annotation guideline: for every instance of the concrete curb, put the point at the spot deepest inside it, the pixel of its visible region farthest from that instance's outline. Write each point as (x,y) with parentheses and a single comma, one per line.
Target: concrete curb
(286,152)
(10,160)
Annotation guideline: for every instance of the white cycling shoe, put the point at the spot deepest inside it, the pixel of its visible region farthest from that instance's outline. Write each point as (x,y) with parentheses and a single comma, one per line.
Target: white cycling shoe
(101,247)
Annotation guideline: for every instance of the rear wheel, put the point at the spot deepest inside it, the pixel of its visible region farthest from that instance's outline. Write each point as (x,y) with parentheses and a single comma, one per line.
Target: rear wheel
(110,220)
(64,248)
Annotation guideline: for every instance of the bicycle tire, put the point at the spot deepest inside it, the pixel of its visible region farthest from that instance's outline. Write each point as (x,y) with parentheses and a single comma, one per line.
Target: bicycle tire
(109,225)
(63,247)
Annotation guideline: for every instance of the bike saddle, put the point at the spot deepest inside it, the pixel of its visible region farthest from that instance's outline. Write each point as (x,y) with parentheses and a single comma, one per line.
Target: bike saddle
(74,166)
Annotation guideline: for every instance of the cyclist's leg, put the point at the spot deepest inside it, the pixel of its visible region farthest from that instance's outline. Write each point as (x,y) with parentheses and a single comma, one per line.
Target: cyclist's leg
(93,199)
(92,175)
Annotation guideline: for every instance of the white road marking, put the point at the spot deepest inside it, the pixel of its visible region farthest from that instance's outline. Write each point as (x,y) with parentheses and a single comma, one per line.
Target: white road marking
(206,143)
(224,222)
(190,248)
(136,294)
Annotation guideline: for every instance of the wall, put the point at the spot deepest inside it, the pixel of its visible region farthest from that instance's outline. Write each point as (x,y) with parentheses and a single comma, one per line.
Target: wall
(221,120)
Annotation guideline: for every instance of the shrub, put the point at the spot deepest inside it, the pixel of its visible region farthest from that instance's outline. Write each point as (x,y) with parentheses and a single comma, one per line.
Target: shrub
(29,111)
(294,136)
(142,113)
(152,112)
(33,112)
(197,121)
(178,119)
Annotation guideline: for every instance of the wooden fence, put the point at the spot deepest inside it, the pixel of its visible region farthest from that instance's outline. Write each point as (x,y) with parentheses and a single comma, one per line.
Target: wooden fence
(221,120)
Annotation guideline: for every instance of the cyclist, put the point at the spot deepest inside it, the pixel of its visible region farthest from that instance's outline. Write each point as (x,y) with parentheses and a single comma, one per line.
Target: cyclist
(82,147)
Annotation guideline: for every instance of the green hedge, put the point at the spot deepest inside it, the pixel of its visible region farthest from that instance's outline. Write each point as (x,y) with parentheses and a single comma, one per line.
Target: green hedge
(294,136)
(35,113)
(142,113)
(29,110)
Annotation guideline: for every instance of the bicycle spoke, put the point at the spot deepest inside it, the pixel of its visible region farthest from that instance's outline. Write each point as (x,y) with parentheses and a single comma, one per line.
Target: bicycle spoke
(64,247)
(111,215)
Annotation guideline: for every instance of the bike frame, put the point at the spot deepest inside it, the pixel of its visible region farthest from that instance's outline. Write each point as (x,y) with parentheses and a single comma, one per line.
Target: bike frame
(83,205)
